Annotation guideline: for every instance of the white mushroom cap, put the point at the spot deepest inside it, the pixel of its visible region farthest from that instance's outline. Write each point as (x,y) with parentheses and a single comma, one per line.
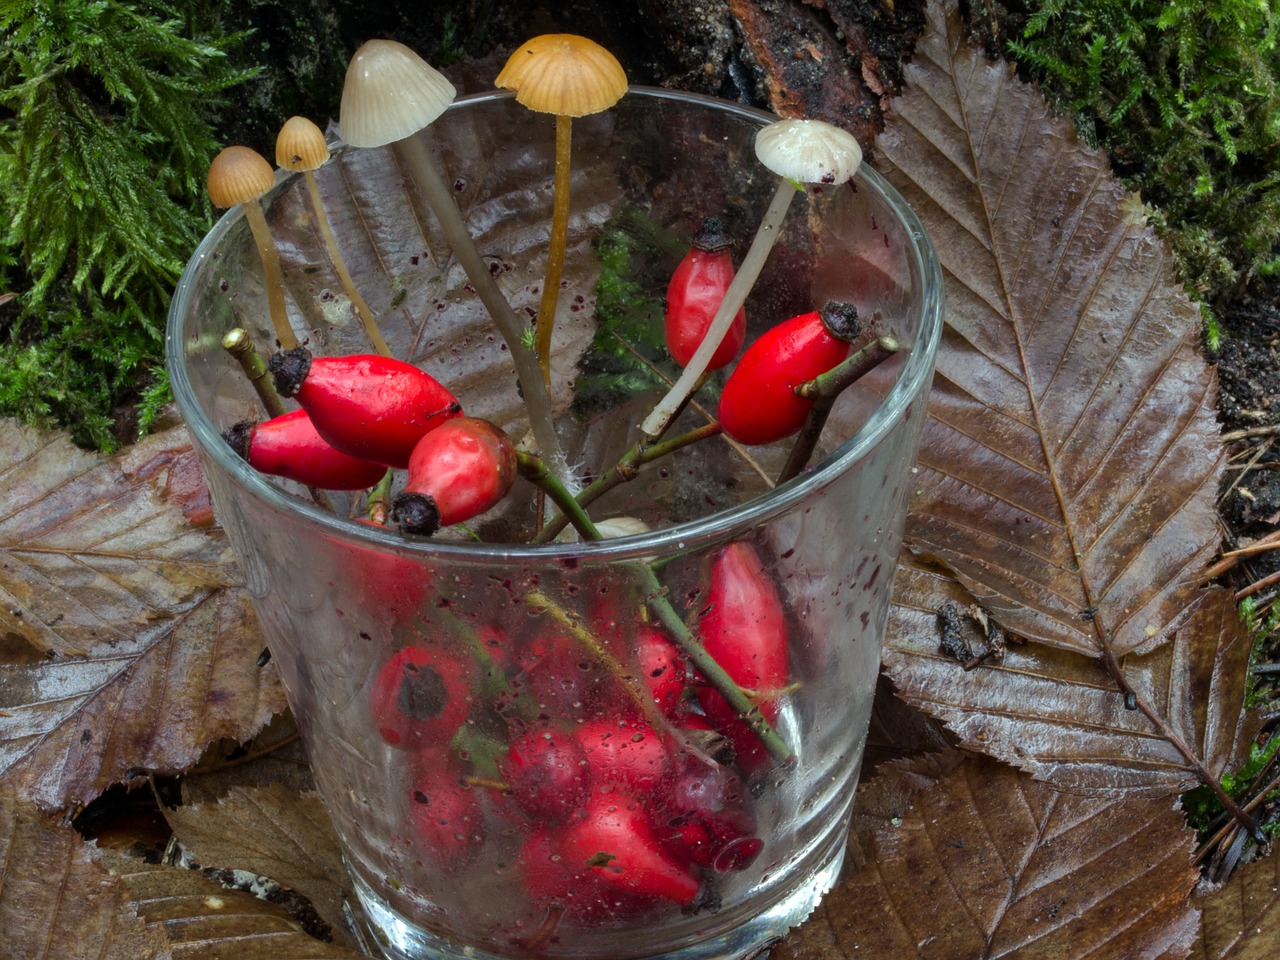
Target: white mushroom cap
(390,93)
(621,527)
(808,151)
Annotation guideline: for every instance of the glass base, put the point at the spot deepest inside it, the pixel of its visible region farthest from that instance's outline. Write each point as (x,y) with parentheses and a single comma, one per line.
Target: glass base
(397,939)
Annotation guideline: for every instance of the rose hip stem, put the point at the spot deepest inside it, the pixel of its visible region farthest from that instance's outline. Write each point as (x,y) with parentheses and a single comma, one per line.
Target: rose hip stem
(656,596)
(798,151)
(823,391)
(626,469)
(239,344)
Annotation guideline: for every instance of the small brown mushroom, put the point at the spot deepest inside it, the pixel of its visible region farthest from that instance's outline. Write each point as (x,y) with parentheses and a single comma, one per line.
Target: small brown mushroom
(300,146)
(568,76)
(239,176)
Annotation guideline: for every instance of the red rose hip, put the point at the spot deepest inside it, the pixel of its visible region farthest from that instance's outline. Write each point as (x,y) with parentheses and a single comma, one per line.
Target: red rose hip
(290,446)
(758,403)
(372,407)
(694,294)
(420,697)
(457,471)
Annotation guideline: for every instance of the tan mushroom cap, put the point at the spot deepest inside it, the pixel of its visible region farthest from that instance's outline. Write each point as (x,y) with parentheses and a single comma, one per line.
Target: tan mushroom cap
(808,151)
(390,93)
(300,145)
(239,175)
(564,74)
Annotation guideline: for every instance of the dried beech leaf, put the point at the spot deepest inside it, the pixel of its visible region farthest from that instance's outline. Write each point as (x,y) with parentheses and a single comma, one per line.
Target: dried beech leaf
(202,920)
(989,863)
(55,901)
(126,647)
(1058,715)
(274,833)
(1071,458)
(1241,919)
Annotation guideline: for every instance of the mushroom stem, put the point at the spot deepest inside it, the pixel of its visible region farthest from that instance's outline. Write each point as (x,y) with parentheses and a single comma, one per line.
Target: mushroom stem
(537,402)
(766,235)
(555,249)
(326,231)
(271,270)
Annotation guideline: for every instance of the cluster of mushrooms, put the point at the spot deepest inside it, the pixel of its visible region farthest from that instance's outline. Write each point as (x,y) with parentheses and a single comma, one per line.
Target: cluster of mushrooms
(390,94)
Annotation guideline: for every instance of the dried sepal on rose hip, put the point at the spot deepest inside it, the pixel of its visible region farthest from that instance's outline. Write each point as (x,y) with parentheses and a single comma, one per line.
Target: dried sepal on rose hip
(289,446)
(694,294)
(420,697)
(457,471)
(744,628)
(758,403)
(372,407)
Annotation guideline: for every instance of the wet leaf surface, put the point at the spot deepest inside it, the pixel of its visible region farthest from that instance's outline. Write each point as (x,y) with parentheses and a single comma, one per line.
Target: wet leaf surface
(1070,462)
(55,901)
(272,832)
(1058,715)
(203,920)
(126,645)
(1241,919)
(988,863)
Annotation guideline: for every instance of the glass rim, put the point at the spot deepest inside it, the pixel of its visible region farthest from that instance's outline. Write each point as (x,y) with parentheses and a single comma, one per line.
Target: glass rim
(689,535)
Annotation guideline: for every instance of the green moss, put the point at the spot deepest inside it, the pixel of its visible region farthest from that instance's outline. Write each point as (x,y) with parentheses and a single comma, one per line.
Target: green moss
(1184,96)
(103,151)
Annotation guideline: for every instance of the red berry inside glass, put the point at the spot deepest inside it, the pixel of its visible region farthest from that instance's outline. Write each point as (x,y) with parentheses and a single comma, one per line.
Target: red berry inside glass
(420,697)
(694,295)
(758,403)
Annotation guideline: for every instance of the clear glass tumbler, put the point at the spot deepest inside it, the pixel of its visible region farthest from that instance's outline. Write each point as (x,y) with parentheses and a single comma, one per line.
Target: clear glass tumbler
(520,751)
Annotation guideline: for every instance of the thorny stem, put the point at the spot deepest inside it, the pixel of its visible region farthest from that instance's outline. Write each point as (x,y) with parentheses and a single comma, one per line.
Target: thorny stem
(626,469)
(239,344)
(656,596)
(340,265)
(272,274)
(823,390)
(1131,696)
(770,226)
(536,399)
(555,249)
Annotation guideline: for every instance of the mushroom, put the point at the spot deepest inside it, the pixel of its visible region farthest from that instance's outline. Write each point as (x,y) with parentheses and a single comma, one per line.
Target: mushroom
(301,147)
(799,152)
(568,76)
(390,93)
(238,176)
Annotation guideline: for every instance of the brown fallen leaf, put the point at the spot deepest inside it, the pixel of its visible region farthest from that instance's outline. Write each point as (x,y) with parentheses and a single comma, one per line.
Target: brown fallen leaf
(202,920)
(988,863)
(275,833)
(1056,714)
(126,644)
(1242,917)
(55,901)
(1071,459)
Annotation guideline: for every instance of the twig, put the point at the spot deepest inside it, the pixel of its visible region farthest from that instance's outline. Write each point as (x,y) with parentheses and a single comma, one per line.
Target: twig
(1268,430)
(1258,585)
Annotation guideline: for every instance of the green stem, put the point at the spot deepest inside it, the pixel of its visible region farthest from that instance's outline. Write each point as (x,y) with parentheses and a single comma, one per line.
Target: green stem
(656,597)
(340,265)
(555,248)
(239,344)
(626,469)
(823,391)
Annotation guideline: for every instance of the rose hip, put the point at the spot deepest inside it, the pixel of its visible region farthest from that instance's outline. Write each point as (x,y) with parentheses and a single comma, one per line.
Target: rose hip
(547,772)
(744,628)
(447,819)
(372,407)
(289,446)
(703,815)
(626,752)
(457,471)
(660,667)
(758,403)
(420,697)
(694,294)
